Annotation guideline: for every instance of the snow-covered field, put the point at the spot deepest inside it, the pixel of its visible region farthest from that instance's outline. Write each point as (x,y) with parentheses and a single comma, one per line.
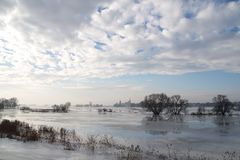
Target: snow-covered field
(209,135)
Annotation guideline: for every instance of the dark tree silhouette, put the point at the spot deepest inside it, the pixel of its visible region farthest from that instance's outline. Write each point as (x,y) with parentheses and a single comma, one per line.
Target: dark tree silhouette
(222,105)
(177,105)
(13,102)
(8,103)
(156,103)
(61,107)
(1,106)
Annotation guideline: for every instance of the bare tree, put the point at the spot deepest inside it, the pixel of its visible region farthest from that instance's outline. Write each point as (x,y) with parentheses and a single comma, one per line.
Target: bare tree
(177,105)
(156,103)
(8,103)
(66,106)
(13,102)
(222,105)
(61,107)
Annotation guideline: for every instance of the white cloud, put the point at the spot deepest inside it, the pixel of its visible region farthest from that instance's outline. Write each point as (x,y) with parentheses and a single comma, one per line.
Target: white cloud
(45,41)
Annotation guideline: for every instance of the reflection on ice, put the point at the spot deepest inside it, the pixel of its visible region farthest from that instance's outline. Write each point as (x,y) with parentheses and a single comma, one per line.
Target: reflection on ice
(135,126)
(225,124)
(163,124)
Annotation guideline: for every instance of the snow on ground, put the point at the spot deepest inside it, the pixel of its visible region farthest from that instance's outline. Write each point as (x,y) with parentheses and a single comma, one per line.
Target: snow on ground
(204,135)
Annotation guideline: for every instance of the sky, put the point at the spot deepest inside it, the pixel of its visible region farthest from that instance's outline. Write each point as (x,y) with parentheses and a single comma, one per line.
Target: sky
(104,51)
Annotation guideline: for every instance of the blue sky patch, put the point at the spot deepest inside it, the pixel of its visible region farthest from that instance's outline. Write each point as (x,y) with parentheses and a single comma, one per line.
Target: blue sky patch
(99,46)
(189,15)
(101,8)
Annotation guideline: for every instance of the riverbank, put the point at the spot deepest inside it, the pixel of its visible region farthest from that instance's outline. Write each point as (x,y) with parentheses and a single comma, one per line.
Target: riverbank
(200,134)
(23,132)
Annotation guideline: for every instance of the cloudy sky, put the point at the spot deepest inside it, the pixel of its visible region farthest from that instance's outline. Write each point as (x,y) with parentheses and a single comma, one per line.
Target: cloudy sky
(104,50)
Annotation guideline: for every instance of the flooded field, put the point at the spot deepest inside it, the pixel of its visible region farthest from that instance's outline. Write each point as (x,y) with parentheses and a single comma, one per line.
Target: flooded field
(209,135)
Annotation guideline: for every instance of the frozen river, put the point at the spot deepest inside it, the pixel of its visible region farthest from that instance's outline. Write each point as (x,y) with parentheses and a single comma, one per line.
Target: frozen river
(207,134)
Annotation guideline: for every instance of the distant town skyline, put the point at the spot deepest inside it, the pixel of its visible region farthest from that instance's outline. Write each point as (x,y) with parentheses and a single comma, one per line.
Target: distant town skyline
(104,51)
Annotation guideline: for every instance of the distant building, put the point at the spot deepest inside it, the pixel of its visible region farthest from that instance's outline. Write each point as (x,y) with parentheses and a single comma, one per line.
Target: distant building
(89,105)
(126,104)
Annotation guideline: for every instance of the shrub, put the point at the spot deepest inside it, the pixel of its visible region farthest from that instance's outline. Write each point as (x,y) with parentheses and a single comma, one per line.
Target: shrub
(61,107)
(18,129)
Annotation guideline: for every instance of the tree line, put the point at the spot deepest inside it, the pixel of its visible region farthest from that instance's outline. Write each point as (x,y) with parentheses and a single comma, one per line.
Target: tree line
(8,103)
(176,105)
